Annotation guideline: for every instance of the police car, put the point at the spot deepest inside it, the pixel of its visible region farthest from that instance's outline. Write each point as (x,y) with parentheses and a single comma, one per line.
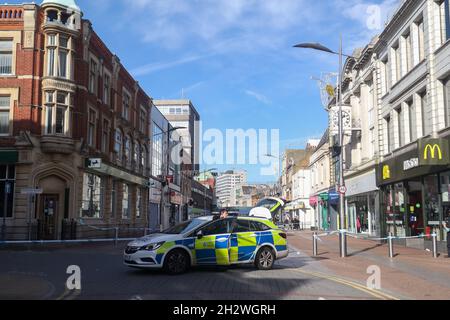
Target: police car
(210,241)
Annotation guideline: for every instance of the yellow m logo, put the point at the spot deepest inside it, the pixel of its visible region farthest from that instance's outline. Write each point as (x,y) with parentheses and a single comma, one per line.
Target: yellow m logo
(429,149)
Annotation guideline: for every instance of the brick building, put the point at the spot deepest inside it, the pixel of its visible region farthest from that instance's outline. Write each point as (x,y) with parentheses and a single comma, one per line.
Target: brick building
(66,99)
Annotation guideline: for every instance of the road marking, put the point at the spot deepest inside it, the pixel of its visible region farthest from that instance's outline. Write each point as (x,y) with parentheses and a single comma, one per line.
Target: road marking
(354,285)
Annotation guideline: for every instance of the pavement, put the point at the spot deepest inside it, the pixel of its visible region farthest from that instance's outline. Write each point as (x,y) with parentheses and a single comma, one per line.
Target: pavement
(39,273)
(411,274)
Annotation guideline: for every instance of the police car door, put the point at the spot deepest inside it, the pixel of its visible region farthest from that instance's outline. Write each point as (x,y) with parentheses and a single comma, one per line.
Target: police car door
(243,242)
(212,246)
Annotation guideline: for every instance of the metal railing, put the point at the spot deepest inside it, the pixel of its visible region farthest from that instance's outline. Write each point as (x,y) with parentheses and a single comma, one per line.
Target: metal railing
(390,240)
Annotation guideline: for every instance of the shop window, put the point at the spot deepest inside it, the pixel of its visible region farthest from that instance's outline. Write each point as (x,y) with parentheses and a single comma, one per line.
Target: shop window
(6,56)
(92,196)
(5,105)
(7,184)
(432,200)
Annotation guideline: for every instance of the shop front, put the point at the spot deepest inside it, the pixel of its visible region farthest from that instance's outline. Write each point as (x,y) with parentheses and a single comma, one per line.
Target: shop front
(415,188)
(362,202)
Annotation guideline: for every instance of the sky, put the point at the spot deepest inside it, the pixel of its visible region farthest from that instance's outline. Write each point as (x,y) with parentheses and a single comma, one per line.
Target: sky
(234,59)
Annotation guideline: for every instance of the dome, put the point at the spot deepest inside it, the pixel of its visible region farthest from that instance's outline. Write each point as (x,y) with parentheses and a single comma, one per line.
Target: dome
(66,3)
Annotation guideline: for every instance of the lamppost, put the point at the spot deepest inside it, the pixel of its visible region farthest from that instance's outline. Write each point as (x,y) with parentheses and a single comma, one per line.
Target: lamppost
(339,101)
(165,170)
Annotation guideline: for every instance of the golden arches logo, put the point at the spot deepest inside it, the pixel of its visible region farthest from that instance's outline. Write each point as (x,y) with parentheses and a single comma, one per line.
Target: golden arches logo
(431,150)
(386,172)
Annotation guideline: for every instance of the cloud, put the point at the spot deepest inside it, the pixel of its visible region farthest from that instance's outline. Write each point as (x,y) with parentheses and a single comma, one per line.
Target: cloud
(258,96)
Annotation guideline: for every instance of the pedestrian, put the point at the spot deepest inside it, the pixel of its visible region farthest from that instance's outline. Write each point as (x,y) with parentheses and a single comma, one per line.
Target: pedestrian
(224,214)
(446,225)
(358,225)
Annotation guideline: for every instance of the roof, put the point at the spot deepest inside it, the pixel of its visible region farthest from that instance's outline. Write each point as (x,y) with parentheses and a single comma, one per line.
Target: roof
(66,3)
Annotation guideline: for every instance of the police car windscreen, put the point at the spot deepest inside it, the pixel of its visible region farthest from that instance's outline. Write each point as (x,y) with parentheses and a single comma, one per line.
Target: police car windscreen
(185,227)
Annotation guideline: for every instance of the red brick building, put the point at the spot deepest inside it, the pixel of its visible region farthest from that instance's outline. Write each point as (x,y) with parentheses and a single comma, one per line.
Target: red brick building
(66,99)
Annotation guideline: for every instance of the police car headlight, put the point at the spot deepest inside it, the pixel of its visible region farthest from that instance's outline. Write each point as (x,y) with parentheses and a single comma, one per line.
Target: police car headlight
(152,246)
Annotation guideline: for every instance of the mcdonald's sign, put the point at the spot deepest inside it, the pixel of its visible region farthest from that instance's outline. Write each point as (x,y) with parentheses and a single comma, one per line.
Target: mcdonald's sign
(433,152)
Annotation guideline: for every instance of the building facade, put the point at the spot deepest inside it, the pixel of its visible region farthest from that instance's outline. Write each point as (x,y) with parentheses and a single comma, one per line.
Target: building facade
(226,186)
(413,57)
(76,155)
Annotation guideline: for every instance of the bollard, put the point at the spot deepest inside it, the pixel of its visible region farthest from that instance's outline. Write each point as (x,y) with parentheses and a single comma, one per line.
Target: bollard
(315,253)
(435,251)
(391,245)
(116,238)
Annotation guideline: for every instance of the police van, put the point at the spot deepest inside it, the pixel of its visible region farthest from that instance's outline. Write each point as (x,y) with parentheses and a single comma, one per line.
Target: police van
(210,241)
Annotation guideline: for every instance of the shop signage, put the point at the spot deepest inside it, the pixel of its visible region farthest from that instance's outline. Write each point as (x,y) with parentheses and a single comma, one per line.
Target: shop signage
(410,164)
(31,191)
(94,163)
(434,152)
(176,198)
(386,172)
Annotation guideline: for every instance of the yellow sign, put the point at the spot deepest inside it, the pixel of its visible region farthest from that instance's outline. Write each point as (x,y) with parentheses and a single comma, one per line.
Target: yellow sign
(386,172)
(431,149)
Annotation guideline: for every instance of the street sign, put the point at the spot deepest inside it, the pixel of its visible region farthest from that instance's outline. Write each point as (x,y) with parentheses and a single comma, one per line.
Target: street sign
(31,191)
(94,163)
(343,190)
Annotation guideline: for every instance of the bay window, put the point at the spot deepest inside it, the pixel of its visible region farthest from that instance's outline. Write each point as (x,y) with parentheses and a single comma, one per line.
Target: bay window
(127,145)
(5,105)
(57,112)
(91,196)
(59,56)
(6,56)
(136,153)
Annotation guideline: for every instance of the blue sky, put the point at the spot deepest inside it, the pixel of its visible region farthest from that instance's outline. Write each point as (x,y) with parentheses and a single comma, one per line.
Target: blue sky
(234,58)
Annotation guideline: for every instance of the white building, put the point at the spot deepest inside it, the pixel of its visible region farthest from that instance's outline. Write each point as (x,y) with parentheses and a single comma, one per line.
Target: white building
(301,192)
(226,187)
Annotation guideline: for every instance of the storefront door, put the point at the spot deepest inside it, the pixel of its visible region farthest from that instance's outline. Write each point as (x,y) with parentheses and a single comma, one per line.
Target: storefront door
(415,209)
(48,217)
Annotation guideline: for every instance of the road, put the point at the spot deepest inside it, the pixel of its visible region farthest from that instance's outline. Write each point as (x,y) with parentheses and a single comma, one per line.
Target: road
(40,274)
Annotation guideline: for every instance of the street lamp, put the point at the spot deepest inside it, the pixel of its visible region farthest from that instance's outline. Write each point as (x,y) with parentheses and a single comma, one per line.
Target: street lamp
(339,101)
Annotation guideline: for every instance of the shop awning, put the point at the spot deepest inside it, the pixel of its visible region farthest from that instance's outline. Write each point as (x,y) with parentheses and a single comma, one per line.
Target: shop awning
(324,196)
(333,197)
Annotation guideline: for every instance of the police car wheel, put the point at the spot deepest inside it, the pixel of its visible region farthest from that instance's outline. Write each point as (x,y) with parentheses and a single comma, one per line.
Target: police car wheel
(265,259)
(176,262)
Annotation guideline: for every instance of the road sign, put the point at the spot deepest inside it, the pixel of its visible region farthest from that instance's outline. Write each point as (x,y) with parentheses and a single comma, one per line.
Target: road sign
(31,191)
(343,190)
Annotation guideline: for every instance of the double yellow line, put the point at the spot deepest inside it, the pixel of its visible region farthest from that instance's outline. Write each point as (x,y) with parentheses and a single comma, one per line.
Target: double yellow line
(375,293)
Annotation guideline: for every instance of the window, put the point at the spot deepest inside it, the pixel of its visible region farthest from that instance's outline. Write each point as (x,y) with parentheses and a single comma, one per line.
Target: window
(5,105)
(426,115)
(125,201)
(93,77)
(118,141)
(106,89)
(421,31)
(56,119)
(397,65)
(143,120)
(258,226)
(127,145)
(7,183)
(143,156)
(92,196)
(385,74)
(6,56)
(372,142)
(113,203)
(58,56)
(126,106)
(412,120)
(138,202)
(408,51)
(157,153)
(216,228)
(446,84)
(91,128)
(136,153)
(442,16)
(389,145)
(400,127)
(105,136)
